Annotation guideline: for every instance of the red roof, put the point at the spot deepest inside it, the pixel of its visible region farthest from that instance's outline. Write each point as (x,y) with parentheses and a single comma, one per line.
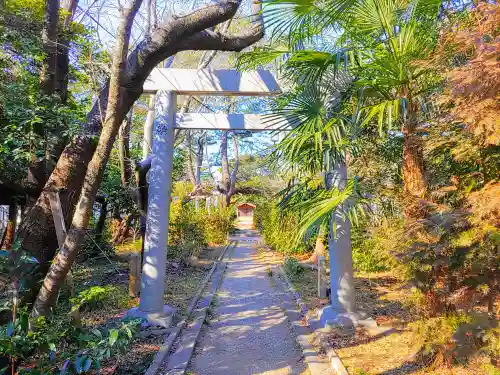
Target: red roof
(246,204)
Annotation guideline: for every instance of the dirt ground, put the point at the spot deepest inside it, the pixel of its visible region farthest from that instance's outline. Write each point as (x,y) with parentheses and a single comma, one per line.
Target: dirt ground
(182,281)
(394,352)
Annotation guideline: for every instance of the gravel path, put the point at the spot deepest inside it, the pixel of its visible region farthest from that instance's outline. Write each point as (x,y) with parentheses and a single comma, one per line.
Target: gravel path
(248,333)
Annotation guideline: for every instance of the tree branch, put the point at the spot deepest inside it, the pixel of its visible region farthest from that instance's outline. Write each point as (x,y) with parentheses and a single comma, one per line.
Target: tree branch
(220,40)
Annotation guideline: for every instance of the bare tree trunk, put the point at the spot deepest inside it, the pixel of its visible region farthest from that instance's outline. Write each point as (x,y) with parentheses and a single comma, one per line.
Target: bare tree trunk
(62,64)
(95,171)
(224,162)
(124,149)
(199,157)
(49,40)
(232,178)
(103,213)
(190,169)
(10,230)
(37,230)
(38,170)
(191,32)
(229,180)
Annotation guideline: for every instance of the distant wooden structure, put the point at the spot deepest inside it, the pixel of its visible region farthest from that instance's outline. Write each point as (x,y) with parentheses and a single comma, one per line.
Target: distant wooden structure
(245,210)
(244,215)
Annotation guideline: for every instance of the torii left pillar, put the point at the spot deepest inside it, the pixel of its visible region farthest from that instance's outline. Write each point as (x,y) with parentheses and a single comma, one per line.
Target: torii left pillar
(152,305)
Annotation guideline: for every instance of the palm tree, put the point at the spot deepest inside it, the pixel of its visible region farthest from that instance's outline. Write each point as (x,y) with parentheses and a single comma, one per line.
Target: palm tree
(375,47)
(318,147)
(382,44)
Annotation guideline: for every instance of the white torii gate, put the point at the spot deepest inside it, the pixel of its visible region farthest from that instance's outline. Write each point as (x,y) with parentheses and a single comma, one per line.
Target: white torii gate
(167,84)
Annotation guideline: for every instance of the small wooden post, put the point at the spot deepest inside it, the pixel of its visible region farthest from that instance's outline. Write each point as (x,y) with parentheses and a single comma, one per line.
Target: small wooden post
(321,277)
(58,217)
(207,204)
(134,275)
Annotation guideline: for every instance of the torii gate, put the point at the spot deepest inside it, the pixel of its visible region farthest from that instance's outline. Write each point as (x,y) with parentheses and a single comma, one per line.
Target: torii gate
(167,83)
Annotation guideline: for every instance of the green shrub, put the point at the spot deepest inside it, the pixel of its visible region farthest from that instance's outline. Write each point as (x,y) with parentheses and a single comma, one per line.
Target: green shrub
(457,337)
(376,244)
(97,297)
(217,224)
(292,268)
(191,230)
(54,346)
(278,230)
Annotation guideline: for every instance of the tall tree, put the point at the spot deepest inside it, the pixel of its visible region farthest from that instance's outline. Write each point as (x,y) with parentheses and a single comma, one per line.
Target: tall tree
(229,178)
(38,170)
(191,32)
(95,171)
(382,44)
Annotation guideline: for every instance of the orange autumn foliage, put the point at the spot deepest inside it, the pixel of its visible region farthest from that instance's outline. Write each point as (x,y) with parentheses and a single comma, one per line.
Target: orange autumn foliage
(472,91)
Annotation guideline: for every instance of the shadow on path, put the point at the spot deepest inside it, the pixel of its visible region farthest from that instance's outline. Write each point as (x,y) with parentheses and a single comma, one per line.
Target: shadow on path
(248,333)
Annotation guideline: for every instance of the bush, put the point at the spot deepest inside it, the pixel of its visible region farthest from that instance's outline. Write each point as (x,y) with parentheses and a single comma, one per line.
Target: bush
(292,268)
(374,246)
(191,230)
(455,337)
(55,347)
(217,225)
(97,297)
(279,231)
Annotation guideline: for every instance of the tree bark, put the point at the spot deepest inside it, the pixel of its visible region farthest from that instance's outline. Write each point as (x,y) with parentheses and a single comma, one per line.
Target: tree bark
(62,61)
(232,178)
(229,180)
(103,213)
(415,183)
(95,171)
(49,40)
(10,230)
(319,249)
(39,170)
(224,161)
(37,230)
(199,157)
(124,150)
(176,34)
(190,169)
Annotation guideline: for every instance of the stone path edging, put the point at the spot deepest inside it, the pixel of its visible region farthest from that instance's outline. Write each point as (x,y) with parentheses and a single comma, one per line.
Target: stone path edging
(178,361)
(161,355)
(335,361)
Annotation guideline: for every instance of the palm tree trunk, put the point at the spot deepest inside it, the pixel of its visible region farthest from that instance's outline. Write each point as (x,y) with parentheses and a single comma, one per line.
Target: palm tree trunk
(95,171)
(319,249)
(415,183)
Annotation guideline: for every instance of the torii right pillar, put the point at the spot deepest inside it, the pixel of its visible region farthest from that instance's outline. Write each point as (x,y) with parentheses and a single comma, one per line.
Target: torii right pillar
(342,309)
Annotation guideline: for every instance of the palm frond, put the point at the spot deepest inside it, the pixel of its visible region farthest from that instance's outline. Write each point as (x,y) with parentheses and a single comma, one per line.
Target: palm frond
(259,57)
(387,113)
(304,19)
(318,210)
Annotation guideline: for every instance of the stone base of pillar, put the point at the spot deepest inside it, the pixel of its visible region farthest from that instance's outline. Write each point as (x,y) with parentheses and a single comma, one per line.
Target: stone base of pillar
(331,318)
(163,318)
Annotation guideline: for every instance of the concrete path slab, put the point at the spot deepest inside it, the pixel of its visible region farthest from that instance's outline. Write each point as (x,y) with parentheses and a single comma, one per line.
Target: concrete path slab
(249,333)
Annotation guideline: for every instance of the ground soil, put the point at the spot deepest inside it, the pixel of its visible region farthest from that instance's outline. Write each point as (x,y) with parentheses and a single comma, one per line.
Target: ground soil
(391,303)
(182,281)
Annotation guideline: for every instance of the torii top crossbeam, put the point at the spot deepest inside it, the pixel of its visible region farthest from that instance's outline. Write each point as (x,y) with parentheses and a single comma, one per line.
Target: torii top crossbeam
(212,82)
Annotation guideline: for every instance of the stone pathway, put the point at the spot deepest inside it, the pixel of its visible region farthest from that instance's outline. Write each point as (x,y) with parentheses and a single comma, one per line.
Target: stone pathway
(248,333)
